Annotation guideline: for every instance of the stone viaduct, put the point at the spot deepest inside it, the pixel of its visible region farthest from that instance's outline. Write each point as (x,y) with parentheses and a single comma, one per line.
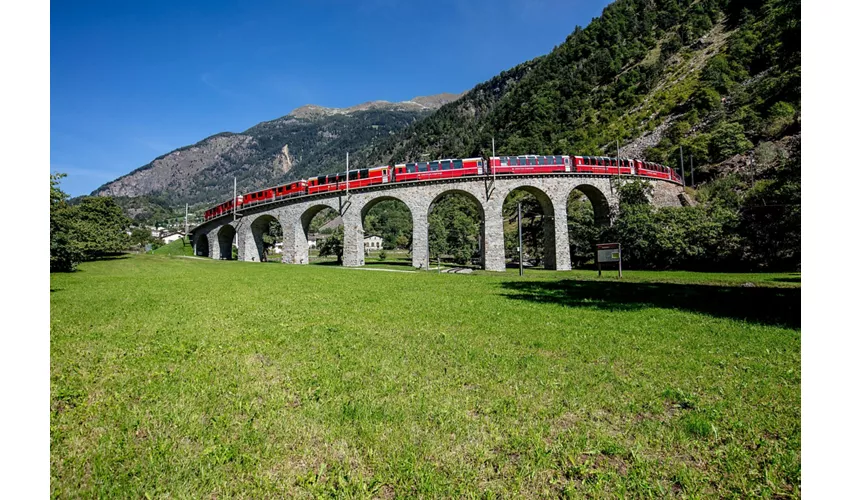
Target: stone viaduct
(214,238)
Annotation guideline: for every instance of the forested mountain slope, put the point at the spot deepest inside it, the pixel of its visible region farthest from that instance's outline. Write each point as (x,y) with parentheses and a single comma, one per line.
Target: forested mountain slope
(712,76)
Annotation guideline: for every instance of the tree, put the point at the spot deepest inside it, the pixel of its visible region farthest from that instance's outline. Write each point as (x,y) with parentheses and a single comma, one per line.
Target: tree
(728,139)
(64,253)
(100,227)
(93,228)
(271,236)
(140,236)
(632,193)
(584,233)
(402,241)
(333,244)
(454,228)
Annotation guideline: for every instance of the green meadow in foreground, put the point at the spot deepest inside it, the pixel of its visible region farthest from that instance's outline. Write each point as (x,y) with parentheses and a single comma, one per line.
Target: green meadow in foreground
(187,377)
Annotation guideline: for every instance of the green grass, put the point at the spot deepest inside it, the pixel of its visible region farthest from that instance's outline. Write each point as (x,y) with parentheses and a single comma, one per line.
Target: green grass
(194,378)
(177,247)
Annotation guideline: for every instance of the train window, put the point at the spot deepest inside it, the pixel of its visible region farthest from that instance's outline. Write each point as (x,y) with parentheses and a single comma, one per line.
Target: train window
(522,161)
(456,164)
(445,165)
(364,173)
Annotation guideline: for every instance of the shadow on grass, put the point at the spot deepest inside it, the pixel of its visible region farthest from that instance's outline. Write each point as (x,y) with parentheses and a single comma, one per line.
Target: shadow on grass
(773,306)
(390,263)
(787,280)
(113,256)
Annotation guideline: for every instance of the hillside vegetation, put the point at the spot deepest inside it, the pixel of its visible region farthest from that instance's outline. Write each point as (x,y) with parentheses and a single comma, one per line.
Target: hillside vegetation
(716,76)
(713,82)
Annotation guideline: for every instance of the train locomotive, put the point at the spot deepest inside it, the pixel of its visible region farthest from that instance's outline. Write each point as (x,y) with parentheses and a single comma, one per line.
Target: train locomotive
(447,169)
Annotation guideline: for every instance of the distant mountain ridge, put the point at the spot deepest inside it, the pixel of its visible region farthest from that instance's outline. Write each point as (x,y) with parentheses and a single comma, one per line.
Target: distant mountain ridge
(309,140)
(421,103)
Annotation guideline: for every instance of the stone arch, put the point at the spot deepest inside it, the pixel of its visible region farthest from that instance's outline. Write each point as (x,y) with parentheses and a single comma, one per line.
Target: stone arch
(306,217)
(225,239)
(202,245)
(599,202)
(548,209)
(369,205)
(259,226)
(481,251)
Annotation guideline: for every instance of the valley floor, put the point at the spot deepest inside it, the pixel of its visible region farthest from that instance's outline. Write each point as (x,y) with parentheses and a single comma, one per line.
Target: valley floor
(197,378)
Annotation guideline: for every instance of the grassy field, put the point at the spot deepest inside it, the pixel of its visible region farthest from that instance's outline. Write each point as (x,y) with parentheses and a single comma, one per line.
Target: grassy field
(177,247)
(185,377)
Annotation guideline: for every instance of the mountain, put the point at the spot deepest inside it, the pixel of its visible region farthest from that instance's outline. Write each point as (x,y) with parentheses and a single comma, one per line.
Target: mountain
(716,77)
(309,140)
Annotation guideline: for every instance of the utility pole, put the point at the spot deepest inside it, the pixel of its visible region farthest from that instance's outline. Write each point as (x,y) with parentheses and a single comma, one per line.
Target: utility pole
(493,139)
(519,223)
(693,182)
(618,158)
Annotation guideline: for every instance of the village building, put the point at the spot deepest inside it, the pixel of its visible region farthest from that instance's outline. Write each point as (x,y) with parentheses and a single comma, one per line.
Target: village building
(373,242)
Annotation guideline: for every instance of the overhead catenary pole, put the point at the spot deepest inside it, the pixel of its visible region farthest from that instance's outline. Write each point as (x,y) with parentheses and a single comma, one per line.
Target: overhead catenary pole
(234,199)
(618,158)
(693,182)
(493,140)
(682,163)
(186,223)
(519,223)
(346,173)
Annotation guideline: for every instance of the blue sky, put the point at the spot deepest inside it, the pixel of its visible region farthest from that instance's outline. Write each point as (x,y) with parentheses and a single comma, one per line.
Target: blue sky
(130,81)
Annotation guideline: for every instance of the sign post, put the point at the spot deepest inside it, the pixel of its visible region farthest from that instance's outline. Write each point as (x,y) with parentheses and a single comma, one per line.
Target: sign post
(609,252)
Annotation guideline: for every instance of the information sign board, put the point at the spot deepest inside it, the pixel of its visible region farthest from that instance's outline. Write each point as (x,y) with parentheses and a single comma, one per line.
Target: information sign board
(609,252)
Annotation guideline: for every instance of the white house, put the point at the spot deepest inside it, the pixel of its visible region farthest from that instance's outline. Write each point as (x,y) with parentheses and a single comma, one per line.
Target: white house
(373,242)
(172,237)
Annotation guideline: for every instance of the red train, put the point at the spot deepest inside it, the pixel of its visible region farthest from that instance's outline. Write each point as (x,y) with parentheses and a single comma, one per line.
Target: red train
(437,169)
(448,168)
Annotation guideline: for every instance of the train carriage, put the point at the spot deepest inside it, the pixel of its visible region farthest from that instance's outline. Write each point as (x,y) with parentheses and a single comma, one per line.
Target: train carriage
(356,179)
(652,169)
(437,169)
(529,164)
(602,165)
